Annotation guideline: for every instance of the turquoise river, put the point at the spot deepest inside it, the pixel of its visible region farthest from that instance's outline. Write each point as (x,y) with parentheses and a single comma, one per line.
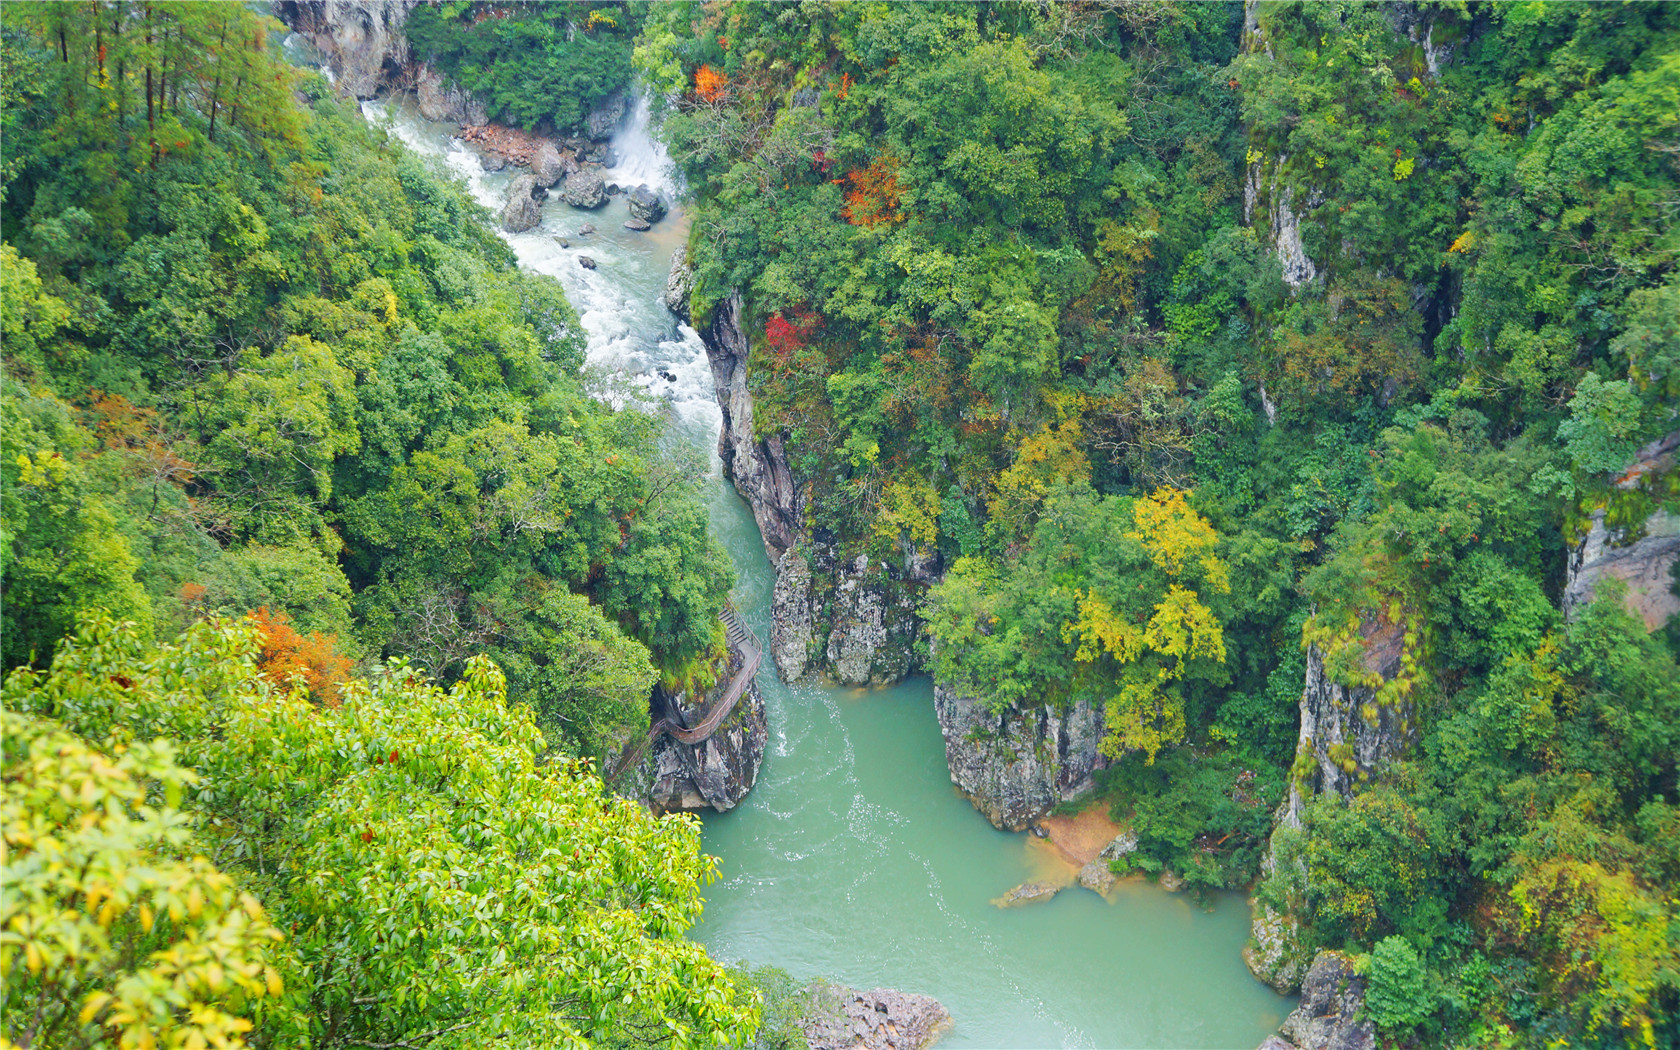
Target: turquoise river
(854,858)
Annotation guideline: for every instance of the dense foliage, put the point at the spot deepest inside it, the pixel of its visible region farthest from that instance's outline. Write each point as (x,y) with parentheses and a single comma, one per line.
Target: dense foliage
(425,878)
(258,356)
(1383,296)
(533,63)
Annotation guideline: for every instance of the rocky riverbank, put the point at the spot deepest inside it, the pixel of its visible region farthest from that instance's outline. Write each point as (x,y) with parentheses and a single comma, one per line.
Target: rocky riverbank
(879,1019)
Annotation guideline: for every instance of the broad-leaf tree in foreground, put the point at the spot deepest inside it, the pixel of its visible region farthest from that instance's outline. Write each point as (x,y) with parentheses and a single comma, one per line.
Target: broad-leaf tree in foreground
(435,884)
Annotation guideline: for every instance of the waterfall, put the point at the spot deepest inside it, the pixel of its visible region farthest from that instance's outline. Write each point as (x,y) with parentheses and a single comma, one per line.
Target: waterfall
(641,160)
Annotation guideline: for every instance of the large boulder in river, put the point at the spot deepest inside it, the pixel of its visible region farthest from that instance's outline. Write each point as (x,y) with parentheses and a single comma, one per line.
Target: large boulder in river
(879,1019)
(584,189)
(522,211)
(678,283)
(645,204)
(548,166)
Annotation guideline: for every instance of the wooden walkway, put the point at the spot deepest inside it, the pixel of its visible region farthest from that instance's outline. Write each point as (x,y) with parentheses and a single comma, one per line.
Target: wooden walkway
(742,639)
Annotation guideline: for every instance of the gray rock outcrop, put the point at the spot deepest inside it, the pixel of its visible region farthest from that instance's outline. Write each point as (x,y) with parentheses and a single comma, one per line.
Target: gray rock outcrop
(645,204)
(1096,876)
(1330,1015)
(522,211)
(604,119)
(363,40)
(879,1019)
(1643,560)
(584,189)
(678,283)
(443,99)
(1015,767)
(717,772)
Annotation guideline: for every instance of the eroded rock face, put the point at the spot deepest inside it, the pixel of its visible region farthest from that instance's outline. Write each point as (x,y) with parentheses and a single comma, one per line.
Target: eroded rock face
(522,211)
(879,1019)
(1096,876)
(604,119)
(758,469)
(851,619)
(1646,563)
(717,772)
(363,40)
(1349,738)
(678,283)
(1015,767)
(441,99)
(645,204)
(584,189)
(1332,1000)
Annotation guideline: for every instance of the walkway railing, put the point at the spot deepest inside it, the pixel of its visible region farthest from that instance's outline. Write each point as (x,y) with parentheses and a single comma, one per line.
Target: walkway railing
(741,638)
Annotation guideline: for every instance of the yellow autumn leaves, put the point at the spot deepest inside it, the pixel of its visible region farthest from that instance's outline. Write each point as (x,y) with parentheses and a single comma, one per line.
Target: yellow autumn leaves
(1147,713)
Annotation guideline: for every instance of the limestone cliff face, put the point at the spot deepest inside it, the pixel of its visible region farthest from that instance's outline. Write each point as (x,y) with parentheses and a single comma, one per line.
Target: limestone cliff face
(848,619)
(1644,560)
(363,40)
(1015,767)
(1345,739)
(758,468)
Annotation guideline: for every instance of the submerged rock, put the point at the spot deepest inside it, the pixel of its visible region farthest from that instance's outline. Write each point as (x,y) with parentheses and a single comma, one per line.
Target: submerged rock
(1017,765)
(1096,876)
(645,204)
(584,189)
(1028,893)
(879,1019)
(522,211)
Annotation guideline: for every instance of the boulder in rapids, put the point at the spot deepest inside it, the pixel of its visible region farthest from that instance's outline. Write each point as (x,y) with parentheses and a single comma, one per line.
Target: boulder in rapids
(547,166)
(522,211)
(645,204)
(584,189)
(586,262)
(639,225)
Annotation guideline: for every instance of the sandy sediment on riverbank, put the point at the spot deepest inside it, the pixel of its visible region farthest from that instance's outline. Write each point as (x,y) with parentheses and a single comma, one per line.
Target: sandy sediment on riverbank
(1079,838)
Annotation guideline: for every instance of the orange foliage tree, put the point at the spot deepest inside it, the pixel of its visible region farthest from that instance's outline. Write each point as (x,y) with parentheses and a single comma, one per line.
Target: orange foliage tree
(872,193)
(709,83)
(287,654)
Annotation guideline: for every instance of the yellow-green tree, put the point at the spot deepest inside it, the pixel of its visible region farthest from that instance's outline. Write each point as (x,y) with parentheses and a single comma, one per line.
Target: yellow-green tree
(115,930)
(1109,602)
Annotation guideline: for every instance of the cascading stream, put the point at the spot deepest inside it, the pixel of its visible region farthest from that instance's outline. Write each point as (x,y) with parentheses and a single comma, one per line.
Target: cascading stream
(854,858)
